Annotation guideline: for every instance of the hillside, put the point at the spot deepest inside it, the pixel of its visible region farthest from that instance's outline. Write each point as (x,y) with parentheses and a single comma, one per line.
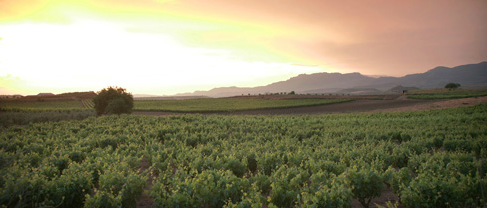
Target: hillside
(469,76)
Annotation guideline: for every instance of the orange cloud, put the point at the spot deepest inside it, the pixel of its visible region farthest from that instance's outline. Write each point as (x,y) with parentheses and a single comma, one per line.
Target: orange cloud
(373,37)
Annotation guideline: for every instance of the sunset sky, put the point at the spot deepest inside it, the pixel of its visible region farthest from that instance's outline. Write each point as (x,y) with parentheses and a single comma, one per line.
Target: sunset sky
(163,47)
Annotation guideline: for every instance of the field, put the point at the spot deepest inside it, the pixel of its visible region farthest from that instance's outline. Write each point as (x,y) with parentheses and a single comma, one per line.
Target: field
(22,118)
(227,104)
(446,93)
(73,101)
(40,105)
(338,160)
(22,112)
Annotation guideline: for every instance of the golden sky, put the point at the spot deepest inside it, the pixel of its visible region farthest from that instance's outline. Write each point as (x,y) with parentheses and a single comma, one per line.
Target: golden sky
(173,46)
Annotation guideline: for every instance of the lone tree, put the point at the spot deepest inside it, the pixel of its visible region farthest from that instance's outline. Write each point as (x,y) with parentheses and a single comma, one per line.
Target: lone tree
(452,86)
(113,100)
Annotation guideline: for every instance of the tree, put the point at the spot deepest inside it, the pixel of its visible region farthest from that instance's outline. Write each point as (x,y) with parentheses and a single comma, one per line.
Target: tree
(113,100)
(292,93)
(452,86)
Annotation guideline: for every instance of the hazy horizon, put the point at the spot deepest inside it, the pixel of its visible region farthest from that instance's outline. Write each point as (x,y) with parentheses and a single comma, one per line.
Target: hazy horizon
(165,47)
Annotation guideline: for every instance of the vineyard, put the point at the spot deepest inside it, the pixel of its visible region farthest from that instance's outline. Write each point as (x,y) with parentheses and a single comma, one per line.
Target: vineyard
(227,104)
(19,113)
(40,105)
(428,159)
(88,103)
(446,93)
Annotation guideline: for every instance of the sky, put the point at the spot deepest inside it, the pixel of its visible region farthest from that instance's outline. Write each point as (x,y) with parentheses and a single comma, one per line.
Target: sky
(164,47)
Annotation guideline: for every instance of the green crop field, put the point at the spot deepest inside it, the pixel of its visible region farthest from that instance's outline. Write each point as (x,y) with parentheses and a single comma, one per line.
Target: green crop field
(40,105)
(19,113)
(226,104)
(446,94)
(429,159)
(88,103)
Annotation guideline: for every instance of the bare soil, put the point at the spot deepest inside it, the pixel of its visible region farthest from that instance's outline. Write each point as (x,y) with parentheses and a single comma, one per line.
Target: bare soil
(386,195)
(439,104)
(145,200)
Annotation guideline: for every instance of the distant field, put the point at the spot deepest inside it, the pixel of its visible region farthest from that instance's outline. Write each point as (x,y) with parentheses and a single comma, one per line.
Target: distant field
(40,105)
(18,113)
(447,94)
(226,104)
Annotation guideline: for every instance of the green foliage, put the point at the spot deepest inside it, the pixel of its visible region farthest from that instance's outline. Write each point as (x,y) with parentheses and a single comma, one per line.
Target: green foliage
(211,188)
(429,159)
(29,106)
(251,198)
(286,185)
(399,179)
(20,118)
(237,167)
(122,183)
(88,103)
(251,162)
(447,94)
(332,192)
(113,100)
(103,199)
(366,183)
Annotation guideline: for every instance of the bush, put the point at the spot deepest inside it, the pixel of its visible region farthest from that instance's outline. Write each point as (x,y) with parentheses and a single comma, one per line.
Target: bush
(335,192)
(237,167)
(113,101)
(252,163)
(366,184)
(452,86)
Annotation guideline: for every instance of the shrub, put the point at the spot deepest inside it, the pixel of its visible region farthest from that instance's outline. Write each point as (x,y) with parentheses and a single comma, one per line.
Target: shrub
(366,184)
(237,167)
(113,101)
(452,86)
(329,193)
(252,163)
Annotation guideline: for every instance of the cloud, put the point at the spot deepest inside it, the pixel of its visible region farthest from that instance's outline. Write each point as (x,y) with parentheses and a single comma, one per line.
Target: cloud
(9,84)
(305,65)
(229,37)
(48,11)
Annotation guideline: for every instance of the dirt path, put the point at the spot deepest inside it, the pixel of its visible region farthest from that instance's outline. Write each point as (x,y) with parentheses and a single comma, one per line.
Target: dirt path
(439,104)
(145,200)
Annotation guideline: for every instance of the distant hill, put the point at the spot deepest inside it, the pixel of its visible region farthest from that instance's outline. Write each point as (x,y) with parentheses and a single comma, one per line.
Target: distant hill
(469,76)
(360,91)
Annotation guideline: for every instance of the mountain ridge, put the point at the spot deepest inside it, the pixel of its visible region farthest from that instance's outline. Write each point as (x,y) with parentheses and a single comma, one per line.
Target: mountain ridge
(469,75)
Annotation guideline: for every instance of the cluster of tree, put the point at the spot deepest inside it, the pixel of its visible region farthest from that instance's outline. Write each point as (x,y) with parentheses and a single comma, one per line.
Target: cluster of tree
(113,100)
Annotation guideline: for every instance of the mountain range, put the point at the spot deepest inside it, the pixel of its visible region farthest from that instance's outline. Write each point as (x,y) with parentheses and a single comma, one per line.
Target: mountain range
(469,76)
